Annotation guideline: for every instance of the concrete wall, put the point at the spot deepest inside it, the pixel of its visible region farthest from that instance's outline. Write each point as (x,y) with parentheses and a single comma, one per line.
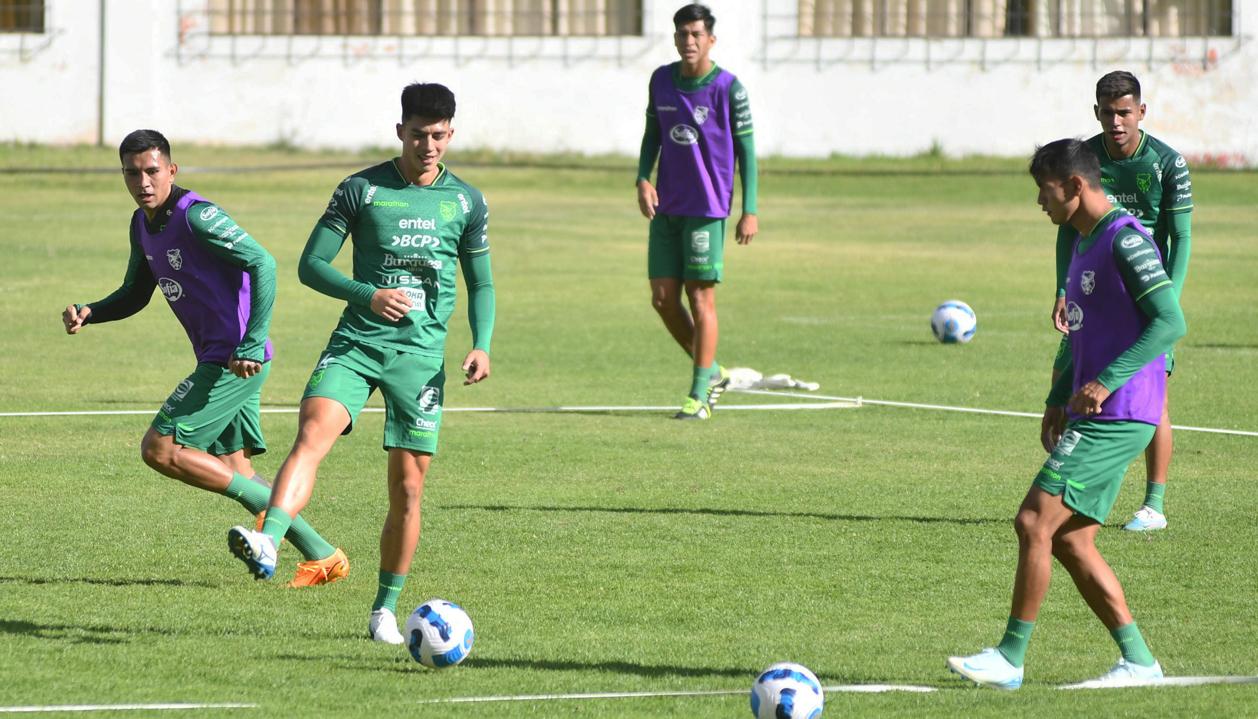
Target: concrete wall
(809,98)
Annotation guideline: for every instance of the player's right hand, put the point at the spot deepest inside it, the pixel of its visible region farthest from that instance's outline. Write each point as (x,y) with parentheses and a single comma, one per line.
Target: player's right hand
(74,318)
(391,304)
(648,199)
(1060,321)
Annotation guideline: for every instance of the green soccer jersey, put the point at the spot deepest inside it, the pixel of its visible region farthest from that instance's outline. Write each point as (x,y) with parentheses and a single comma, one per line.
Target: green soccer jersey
(407,237)
(1154,186)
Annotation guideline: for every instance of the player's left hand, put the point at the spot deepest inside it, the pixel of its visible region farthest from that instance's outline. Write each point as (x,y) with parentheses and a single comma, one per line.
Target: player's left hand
(1088,400)
(244,368)
(747,228)
(476,365)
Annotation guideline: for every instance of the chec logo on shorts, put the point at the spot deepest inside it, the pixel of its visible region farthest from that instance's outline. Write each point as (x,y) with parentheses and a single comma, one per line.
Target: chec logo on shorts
(1067,443)
(684,135)
(208,213)
(699,241)
(429,400)
(175,259)
(1131,242)
(700,114)
(171,289)
(1074,316)
(183,389)
(1087,282)
(448,210)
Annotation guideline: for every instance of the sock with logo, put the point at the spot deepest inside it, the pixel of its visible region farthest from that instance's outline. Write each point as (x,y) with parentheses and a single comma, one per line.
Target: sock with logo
(1153,495)
(699,381)
(1013,645)
(390,588)
(1132,645)
(276,524)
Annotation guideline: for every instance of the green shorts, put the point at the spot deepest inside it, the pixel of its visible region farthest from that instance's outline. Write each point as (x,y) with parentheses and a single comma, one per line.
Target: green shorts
(412,386)
(1087,466)
(215,411)
(686,248)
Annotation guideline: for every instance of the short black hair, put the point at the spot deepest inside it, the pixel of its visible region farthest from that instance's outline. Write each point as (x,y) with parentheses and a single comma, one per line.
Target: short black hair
(694,11)
(1116,84)
(1061,159)
(143,141)
(428,100)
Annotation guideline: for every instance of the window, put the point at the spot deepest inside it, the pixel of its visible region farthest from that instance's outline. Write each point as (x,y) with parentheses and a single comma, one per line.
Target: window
(510,18)
(1015,18)
(22,16)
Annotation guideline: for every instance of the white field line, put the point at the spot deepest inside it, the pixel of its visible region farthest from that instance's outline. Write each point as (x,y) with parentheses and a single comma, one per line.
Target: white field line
(860,688)
(119,707)
(1163,682)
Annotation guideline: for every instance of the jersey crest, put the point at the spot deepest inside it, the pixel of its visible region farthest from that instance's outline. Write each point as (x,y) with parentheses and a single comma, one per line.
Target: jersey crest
(175,258)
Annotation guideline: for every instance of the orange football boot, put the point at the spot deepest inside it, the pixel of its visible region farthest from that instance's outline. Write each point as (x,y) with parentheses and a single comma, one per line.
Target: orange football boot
(321,571)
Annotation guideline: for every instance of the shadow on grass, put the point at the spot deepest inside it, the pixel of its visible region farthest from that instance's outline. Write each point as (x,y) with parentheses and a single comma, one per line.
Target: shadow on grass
(73,633)
(104,582)
(965,521)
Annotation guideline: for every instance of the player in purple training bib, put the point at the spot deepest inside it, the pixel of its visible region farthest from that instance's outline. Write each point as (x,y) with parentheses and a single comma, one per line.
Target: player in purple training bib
(699,124)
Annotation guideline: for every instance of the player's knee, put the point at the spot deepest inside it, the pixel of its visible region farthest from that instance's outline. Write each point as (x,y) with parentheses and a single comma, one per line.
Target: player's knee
(157,454)
(1026,525)
(406,493)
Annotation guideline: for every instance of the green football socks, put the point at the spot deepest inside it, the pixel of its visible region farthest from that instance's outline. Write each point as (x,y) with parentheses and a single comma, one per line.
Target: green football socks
(390,589)
(1132,645)
(700,379)
(1013,645)
(254,495)
(1153,494)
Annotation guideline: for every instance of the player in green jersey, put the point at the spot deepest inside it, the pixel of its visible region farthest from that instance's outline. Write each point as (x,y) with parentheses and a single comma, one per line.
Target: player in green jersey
(412,222)
(220,283)
(1151,181)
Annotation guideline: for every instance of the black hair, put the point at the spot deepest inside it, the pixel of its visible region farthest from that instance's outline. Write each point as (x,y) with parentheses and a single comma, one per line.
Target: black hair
(1063,159)
(143,141)
(694,11)
(1116,84)
(428,100)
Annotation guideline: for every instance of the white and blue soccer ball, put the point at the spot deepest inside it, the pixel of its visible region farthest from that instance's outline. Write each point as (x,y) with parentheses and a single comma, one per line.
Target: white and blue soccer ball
(787,691)
(439,634)
(953,322)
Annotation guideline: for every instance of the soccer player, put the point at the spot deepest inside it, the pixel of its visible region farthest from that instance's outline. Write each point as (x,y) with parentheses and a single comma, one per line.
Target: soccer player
(698,121)
(1124,316)
(220,283)
(411,221)
(1148,179)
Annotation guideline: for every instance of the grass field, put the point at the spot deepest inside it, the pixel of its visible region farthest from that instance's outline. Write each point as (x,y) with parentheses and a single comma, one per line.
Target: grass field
(622,551)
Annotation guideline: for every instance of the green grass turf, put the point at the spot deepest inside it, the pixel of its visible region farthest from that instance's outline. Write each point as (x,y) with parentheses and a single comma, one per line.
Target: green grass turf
(624,551)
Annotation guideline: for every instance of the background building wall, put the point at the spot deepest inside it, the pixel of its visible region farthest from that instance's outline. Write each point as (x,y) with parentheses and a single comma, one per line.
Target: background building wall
(587,95)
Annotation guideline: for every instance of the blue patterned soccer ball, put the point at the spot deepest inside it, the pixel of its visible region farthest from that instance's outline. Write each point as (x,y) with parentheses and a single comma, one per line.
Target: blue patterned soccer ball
(787,691)
(953,322)
(439,634)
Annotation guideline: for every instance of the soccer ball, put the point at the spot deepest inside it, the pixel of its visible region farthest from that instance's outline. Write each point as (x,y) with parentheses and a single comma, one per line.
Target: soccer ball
(953,321)
(786,691)
(439,634)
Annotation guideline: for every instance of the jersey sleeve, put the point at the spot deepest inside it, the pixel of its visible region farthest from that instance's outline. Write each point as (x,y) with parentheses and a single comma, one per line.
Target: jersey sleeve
(133,295)
(347,200)
(650,147)
(314,268)
(1065,245)
(229,242)
(477,275)
(1138,262)
(744,146)
(475,237)
(1176,184)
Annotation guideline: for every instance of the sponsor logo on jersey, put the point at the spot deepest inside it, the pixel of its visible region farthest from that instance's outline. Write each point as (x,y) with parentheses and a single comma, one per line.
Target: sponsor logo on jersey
(416,295)
(1181,162)
(175,259)
(171,289)
(208,213)
(699,242)
(700,114)
(411,262)
(467,206)
(1053,464)
(429,400)
(1147,265)
(1124,198)
(418,241)
(1087,282)
(1139,253)
(417,223)
(1131,243)
(447,210)
(740,95)
(665,108)
(1183,186)
(684,135)
(183,389)
(1142,181)
(1183,196)
(1068,442)
(371,192)
(1074,316)
(1180,175)
(391,203)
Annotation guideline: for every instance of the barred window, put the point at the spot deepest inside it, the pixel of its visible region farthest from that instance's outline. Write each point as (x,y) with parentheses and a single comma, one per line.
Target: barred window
(22,16)
(512,18)
(1015,18)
